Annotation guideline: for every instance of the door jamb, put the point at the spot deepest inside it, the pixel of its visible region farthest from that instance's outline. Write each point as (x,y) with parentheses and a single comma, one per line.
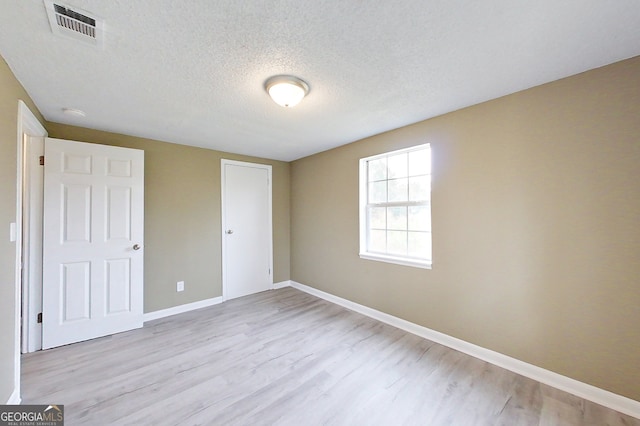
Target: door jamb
(27,124)
(223,163)
(32,221)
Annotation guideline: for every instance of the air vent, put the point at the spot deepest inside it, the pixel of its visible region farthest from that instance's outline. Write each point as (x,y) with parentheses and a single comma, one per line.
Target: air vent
(75,23)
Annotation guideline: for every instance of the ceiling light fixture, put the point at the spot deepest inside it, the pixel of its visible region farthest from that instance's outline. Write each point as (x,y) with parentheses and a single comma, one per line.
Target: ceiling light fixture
(74,112)
(286,90)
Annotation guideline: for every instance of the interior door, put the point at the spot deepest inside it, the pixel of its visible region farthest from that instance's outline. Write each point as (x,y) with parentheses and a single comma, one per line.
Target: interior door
(247,235)
(92,241)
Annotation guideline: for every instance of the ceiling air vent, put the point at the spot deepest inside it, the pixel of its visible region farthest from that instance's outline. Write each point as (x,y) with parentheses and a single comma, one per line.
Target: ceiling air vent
(74,23)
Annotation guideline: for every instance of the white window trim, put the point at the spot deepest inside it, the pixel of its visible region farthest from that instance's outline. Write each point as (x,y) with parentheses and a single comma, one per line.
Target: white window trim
(363,181)
(396,260)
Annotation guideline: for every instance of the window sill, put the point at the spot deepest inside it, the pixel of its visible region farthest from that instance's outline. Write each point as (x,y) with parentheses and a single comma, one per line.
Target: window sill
(396,260)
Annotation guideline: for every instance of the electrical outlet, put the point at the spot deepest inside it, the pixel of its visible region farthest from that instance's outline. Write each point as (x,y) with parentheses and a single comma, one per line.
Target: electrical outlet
(180,286)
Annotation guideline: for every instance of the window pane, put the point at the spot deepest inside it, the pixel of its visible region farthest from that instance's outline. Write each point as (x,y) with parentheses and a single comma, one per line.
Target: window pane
(420,162)
(397,218)
(419,188)
(420,245)
(378,192)
(398,166)
(378,169)
(419,218)
(397,215)
(397,242)
(398,189)
(378,241)
(378,218)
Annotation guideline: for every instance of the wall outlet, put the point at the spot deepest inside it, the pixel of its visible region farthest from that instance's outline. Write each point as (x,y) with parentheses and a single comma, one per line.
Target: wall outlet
(180,286)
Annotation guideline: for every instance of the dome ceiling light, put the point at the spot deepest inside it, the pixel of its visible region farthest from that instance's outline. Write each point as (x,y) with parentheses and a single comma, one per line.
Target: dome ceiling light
(74,112)
(286,90)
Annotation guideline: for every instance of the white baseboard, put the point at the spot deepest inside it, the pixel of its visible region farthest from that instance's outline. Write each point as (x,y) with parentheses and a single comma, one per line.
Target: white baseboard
(14,399)
(150,316)
(282,284)
(583,390)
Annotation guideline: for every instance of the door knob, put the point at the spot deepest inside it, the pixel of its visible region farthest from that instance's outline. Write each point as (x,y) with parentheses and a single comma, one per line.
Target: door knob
(136,246)
(230,231)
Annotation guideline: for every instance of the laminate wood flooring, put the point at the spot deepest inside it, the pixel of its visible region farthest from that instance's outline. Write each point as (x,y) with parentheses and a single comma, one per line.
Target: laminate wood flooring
(284,357)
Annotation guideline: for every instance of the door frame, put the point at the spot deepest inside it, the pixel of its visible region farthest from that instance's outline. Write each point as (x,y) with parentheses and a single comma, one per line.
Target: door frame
(33,180)
(224,162)
(27,125)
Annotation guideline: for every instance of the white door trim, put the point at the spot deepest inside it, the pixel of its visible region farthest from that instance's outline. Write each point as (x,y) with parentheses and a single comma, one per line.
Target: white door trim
(223,163)
(32,204)
(28,124)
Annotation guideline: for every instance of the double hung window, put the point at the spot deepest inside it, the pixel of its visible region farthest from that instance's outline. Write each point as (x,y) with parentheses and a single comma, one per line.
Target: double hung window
(395,207)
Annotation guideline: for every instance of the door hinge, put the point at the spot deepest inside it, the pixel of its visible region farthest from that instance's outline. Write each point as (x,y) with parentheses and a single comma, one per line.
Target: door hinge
(39,317)
(42,160)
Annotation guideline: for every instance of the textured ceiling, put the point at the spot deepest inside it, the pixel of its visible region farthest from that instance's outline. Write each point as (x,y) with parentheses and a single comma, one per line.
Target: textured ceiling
(192,72)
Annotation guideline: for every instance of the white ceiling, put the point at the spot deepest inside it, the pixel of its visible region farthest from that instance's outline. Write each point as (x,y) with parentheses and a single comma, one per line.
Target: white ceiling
(192,72)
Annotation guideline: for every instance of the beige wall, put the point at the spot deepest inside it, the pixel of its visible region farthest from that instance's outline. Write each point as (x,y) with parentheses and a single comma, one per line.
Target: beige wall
(182,216)
(536,227)
(10,92)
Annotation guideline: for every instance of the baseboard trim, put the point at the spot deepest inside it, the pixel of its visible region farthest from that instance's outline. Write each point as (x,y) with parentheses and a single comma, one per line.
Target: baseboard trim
(583,390)
(14,399)
(150,316)
(282,284)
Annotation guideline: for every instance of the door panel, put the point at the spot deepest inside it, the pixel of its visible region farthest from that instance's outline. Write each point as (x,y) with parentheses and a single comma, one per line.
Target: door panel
(118,213)
(76,291)
(76,214)
(247,238)
(93,217)
(118,285)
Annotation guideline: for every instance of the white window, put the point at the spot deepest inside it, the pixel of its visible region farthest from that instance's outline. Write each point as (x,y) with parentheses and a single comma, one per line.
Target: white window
(395,207)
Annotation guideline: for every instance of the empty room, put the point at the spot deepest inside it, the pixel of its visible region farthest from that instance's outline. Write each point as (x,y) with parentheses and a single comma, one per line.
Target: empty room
(320,213)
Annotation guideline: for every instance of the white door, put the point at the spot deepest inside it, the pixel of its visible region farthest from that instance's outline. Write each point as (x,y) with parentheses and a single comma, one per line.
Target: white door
(92,241)
(246,225)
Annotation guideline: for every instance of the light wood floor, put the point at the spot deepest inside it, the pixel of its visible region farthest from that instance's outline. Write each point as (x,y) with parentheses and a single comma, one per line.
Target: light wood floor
(284,357)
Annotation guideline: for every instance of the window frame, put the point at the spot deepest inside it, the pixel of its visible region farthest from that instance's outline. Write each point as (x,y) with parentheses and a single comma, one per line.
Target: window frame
(363,208)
